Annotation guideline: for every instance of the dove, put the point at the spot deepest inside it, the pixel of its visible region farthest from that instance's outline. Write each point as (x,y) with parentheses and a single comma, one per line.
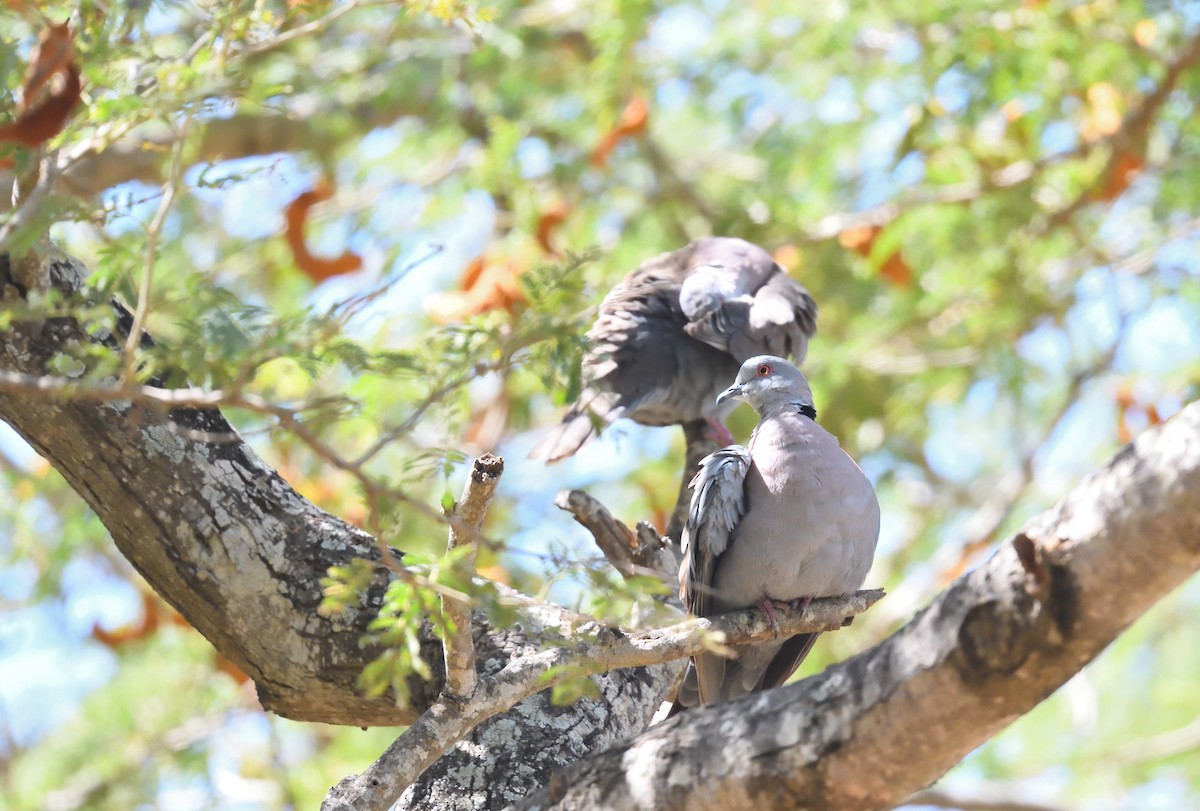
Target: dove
(789,518)
(672,334)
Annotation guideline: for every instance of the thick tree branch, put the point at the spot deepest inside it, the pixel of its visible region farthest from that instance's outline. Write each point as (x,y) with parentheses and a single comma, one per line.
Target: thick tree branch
(991,647)
(590,649)
(220,535)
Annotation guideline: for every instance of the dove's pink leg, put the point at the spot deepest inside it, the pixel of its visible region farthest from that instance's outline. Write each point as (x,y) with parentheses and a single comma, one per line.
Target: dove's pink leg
(767,606)
(718,433)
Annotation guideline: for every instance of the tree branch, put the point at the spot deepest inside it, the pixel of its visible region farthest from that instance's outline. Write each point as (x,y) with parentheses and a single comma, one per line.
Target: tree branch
(224,539)
(470,511)
(94,166)
(992,646)
(631,553)
(591,649)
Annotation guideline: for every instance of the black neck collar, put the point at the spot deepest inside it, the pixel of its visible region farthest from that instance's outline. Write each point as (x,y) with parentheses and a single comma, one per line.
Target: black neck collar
(808,411)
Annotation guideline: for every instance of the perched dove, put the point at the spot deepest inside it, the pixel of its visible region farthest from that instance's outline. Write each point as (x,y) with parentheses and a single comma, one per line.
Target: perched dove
(790,518)
(670,336)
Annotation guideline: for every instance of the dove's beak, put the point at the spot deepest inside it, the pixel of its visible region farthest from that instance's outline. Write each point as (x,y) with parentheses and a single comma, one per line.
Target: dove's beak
(733,391)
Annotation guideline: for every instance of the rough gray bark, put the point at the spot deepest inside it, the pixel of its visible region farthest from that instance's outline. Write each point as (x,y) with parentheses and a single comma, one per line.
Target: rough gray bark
(219,534)
(513,754)
(587,647)
(867,733)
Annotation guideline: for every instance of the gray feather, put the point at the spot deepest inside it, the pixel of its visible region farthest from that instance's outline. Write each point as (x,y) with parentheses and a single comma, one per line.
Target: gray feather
(672,334)
(790,517)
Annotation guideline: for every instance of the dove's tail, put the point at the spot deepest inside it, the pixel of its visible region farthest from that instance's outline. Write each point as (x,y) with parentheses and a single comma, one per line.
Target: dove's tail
(582,421)
(687,697)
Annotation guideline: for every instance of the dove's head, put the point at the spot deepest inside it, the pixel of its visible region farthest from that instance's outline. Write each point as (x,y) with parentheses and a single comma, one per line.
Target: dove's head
(769,383)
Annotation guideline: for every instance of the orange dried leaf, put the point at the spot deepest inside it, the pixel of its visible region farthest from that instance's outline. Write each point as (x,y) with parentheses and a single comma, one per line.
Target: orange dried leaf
(1124,401)
(859,239)
(315,268)
(471,275)
(787,257)
(548,223)
(354,514)
(54,51)
(633,121)
(603,149)
(1124,435)
(1124,397)
(488,424)
(634,116)
(134,631)
(231,670)
(493,287)
(896,270)
(1012,110)
(497,573)
(1125,167)
(37,125)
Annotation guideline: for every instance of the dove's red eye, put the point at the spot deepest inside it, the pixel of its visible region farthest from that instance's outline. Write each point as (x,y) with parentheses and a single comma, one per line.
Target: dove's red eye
(764,370)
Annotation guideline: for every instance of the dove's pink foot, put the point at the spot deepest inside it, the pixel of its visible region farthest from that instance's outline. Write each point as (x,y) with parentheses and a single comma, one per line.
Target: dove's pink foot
(767,606)
(718,433)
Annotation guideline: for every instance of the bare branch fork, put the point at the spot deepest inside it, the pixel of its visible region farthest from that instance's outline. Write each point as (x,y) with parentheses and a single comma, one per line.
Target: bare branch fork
(630,552)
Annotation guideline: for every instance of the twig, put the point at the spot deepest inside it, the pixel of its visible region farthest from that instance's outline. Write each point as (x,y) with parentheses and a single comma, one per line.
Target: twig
(458,645)
(133,339)
(612,536)
(981,528)
(347,309)
(1135,126)
(594,649)
(671,181)
(299,31)
(1184,739)
(29,202)
(390,435)
(1133,130)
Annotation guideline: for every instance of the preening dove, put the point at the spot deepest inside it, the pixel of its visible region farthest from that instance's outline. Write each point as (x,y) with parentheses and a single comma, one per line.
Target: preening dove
(671,335)
(790,518)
